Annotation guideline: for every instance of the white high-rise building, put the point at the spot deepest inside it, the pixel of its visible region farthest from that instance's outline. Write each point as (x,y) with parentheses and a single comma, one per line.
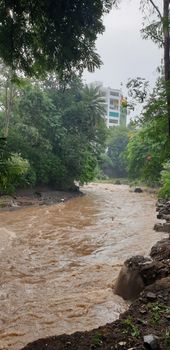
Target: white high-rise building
(116,110)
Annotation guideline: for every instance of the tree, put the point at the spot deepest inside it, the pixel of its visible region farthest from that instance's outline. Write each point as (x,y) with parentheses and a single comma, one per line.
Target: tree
(61,133)
(164,191)
(159,31)
(117,145)
(46,35)
(148,148)
(7,95)
(137,91)
(149,144)
(16,170)
(85,125)
(95,103)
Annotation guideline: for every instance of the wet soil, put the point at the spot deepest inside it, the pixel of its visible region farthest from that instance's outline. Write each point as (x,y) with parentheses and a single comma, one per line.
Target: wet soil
(36,197)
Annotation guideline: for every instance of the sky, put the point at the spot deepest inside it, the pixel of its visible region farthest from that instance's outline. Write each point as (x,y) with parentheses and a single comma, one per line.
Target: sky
(123,51)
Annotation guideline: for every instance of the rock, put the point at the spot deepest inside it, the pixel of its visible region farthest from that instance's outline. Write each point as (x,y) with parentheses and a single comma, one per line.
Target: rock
(151,342)
(139,272)
(160,285)
(130,283)
(38,194)
(122,343)
(163,208)
(168,317)
(117,182)
(14,204)
(166,217)
(131,279)
(158,227)
(161,250)
(166,227)
(138,190)
(151,296)
(143,311)
(135,262)
(159,216)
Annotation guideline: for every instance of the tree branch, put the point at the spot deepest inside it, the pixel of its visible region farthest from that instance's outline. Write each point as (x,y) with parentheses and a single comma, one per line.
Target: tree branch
(156,8)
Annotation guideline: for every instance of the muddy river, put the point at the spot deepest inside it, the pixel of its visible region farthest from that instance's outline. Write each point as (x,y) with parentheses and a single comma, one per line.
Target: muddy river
(58,263)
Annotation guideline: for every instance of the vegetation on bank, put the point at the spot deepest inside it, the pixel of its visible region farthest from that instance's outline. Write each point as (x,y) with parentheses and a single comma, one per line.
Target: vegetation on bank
(55,136)
(141,152)
(58,135)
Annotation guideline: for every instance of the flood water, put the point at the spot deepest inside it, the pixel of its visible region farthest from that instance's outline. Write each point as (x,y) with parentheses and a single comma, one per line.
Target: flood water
(58,263)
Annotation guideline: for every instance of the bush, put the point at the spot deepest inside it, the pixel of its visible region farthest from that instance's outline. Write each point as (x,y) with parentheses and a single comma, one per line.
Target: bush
(148,149)
(165,180)
(15,175)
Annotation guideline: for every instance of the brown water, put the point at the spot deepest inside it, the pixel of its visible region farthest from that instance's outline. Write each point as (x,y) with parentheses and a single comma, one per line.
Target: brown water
(58,263)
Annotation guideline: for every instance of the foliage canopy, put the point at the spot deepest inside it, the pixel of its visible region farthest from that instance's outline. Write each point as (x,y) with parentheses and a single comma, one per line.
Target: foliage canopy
(46,35)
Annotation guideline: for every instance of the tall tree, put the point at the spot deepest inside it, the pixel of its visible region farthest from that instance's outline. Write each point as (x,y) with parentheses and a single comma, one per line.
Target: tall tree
(7,95)
(159,31)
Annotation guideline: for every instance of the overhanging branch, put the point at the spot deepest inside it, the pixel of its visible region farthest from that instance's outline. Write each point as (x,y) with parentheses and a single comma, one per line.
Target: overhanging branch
(156,8)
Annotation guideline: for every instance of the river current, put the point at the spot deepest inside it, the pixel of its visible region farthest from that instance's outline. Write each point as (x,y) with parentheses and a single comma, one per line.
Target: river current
(59,263)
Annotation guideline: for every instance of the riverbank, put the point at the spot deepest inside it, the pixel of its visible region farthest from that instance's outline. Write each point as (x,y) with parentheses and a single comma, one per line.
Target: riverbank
(146,325)
(36,197)
(46,196)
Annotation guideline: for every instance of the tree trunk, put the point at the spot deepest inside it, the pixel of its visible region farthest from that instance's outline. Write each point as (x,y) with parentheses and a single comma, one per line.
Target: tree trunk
(8,104)
(166,34)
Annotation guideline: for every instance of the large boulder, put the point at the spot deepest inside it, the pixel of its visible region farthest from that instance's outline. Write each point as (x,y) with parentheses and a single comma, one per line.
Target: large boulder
(130,283)
(139,272)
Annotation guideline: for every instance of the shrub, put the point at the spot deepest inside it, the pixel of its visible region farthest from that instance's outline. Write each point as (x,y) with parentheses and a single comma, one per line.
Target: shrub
(165,180)
(15,175)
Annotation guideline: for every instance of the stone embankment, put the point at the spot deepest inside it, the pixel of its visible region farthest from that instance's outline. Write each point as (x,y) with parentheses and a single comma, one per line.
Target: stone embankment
(163,209)
(146,325)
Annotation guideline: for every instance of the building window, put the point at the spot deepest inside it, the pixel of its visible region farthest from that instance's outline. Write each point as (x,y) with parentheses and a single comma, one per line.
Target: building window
(114,104)
(113,121)
(111,101)
(114,93)
(114,114)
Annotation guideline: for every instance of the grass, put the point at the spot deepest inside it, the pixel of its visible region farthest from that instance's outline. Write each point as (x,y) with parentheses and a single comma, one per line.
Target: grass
(166,339)
(130,327)
(156,311)
(97,339)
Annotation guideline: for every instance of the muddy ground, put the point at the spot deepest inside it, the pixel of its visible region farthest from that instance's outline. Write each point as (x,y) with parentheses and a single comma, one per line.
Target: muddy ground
(36,197)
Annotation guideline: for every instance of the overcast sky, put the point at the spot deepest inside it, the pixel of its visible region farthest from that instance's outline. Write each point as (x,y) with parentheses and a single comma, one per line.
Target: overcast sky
(123,51)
